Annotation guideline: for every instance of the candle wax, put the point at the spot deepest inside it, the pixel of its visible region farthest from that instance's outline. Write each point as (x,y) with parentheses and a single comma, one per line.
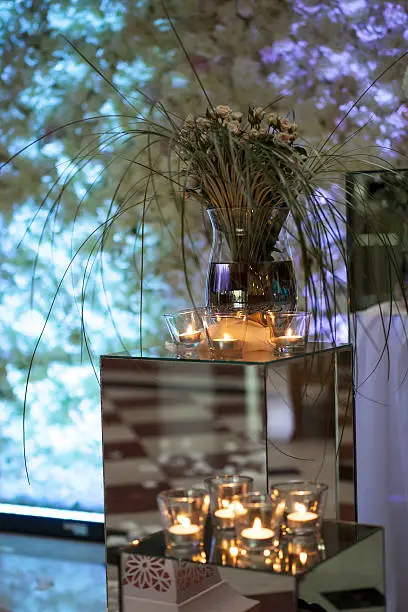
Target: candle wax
(184,529)
(227,339)
(231,511)
(191,335)
(226,343)
(257,532)
(302,517)
(287,339)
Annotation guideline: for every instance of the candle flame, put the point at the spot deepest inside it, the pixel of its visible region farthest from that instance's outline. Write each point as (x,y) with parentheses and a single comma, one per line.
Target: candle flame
(237,507)
(227,337)
(303,557)
(190,329)
(289,333)
(257,524)
(234,551)
(183,520)
(300,508)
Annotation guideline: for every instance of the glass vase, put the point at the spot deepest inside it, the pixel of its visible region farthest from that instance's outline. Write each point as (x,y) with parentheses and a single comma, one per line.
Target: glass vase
(250,265)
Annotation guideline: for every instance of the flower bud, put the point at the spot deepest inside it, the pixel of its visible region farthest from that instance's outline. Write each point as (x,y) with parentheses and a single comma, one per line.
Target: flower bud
(273,119)
(237,116)
(222,111)
(233,127)
(259,113)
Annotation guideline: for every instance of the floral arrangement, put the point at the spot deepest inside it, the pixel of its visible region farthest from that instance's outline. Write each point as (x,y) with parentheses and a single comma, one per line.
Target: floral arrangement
(245,165)
(232,162)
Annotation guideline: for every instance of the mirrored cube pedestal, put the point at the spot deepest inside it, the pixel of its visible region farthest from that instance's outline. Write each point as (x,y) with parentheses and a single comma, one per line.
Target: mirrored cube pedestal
(170,421)
(343,569)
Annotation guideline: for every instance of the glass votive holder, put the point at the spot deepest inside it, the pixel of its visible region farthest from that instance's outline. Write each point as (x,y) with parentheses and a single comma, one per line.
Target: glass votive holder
(304,553)
(298,554)
(304,505)
(225,492)
(186,326)
(289,330)
(224,549)
(257,532)
(183,514)
(226,333)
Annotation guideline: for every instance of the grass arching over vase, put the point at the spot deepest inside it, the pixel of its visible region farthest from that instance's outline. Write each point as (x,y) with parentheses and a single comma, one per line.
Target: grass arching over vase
(254,165)
(223,162)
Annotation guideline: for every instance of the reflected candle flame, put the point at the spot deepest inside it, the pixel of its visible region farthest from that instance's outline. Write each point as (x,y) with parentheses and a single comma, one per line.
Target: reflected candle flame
(300,507)
(184,521)
(303,558)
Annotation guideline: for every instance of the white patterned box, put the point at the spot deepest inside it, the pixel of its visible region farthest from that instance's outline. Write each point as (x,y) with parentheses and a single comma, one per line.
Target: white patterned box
(155,584)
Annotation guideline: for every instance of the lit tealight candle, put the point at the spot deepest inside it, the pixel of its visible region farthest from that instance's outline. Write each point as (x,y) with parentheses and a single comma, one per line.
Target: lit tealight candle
(226,343)
(183,527)
(256,532)
(301,516)
(288,339)
(190,336)
(230,510)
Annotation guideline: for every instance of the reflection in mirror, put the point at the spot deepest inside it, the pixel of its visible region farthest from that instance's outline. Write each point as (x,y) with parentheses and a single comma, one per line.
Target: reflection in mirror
(344,562)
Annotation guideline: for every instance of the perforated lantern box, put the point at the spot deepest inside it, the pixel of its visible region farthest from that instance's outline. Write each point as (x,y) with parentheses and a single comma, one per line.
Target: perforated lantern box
(157,584)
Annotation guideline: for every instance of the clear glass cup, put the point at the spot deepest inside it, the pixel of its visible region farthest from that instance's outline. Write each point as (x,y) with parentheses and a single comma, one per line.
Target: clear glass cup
(257,531)
(289,330)
(183,514)
(226,333)
(304,505)
(226,491)
(303,553)
(186,327)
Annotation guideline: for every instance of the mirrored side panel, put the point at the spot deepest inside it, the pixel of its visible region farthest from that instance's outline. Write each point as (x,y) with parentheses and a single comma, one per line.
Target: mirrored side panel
(169,424)
(345,436)
(310,426)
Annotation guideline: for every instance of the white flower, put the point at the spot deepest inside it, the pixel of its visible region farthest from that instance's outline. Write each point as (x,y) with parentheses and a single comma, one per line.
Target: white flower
(273,119)
(222,111)
(237,116)
(285,124)
(259,113)
(233,127)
